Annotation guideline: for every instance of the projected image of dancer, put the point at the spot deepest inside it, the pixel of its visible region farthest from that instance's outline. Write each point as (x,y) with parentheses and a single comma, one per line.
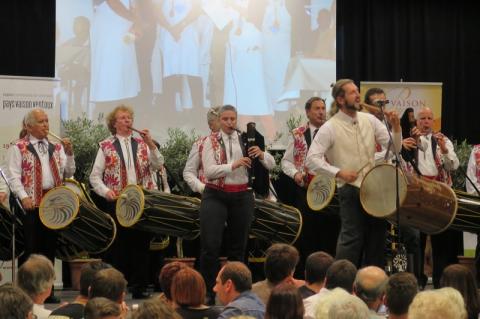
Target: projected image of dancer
(244,70)
(178,48)
(114,71)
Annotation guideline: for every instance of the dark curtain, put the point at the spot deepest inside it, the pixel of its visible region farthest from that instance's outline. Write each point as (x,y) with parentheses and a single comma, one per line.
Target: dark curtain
(27,30)
(416,41)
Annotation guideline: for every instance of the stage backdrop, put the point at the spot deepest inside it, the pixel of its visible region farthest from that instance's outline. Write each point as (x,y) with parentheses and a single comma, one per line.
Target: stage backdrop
(18,95)
(416,95)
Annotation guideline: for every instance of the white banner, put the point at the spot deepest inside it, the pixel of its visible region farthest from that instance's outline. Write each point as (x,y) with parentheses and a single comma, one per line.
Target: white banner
(19,95)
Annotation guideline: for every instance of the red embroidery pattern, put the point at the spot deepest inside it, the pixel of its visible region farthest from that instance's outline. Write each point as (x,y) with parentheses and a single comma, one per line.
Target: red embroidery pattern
(115,174)
(31,177)
(300,148)
(219,155)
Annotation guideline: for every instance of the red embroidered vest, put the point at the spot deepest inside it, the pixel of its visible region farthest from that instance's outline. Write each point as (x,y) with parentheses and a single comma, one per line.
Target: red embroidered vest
(32,168)
(220,156)
(300,147)
(115,174)
(200,144)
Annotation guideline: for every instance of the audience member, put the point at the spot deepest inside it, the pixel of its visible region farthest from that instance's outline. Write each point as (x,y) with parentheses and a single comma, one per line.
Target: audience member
(14,303)
(339,304)
(369,286)
(316,267)
(399,293)
(445,303)
(461,278)
(233,288)
(188,295)
(280,263)
(75,309)
(111,284)
(35,277)
(155,309)
(103,308)
(285,302)
(341,274)
(166,277)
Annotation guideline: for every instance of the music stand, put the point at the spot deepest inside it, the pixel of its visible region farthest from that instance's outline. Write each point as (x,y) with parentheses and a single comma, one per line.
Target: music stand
(15,205)
(400,257)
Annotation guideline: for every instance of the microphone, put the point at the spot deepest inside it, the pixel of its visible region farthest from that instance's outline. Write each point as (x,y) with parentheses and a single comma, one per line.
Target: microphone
(380,103)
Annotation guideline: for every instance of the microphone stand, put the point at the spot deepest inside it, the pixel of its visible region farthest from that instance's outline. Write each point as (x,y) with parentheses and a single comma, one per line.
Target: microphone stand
(401,251)
(15,206)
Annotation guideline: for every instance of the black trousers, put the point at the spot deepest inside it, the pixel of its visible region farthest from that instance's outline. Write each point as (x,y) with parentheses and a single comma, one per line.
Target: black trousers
(362,237)
(446,247)
(319,230)
(219,210)
(38,239)
(129,251)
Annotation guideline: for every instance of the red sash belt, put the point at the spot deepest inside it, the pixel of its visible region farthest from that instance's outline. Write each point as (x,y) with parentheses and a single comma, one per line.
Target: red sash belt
(229,188)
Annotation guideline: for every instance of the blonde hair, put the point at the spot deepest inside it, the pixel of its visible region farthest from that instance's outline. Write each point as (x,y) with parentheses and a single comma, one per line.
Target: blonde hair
(112,116)
(446,303)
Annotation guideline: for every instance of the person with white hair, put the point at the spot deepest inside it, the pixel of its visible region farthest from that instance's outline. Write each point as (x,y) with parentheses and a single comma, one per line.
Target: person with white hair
(339,304)
(445,303)
(369,286)
(35,277)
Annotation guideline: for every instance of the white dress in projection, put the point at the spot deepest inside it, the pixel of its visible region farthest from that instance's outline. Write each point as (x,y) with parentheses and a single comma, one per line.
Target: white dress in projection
(276,30)
(114,71)
(244,71)
(172,57)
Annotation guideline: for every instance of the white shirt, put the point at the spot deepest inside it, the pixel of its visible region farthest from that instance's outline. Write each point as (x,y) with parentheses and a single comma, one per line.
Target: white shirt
(310,303)
(287,163)
(232,177)
(426,163)
(14,160)
(96,176)
(190,172)
(40,311)
(325,139)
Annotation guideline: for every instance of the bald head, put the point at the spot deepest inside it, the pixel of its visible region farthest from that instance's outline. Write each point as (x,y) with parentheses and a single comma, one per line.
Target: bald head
(425,120)
(370,284)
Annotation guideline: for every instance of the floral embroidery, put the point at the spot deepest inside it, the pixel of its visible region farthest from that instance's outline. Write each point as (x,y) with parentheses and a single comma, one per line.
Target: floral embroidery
(115,174)
(300,148)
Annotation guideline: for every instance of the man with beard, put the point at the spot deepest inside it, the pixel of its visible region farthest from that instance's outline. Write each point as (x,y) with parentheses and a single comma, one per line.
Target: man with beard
(344,148)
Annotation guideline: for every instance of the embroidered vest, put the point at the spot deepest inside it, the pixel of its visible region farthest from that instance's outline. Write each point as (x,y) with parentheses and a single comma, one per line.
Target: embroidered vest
(300,147)
(115,174)
(476,154)
(31,177)
(220,155)
(200,144)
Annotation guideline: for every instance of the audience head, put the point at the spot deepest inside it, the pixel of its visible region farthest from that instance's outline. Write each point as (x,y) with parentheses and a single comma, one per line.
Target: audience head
(155,309)
(341,274)
(339,304)
(400,291)
(316,267)
(233,279)
(370,284)
(102,308)
(88,273)
(108,283)
(445,303)
(188,288)
(14,303)
(166,277)
(280,262)
(35,277)
(285,302)
(461,278)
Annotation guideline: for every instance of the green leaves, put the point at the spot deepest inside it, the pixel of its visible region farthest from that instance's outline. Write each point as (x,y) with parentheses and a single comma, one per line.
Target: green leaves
(85,135)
